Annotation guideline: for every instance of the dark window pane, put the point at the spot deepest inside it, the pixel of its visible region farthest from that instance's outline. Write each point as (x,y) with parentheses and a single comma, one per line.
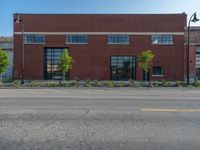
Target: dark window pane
(34,39)
(118,39)
(52,61)
(162,39)
(122,68)
(158,71)
(77,39)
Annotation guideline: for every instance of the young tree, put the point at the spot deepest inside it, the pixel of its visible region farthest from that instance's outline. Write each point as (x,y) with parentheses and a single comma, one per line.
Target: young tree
(4,62)
(65,62)
(145,58)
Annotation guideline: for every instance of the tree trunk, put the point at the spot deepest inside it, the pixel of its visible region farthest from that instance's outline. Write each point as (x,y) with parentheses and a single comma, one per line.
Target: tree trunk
(64,76)
(1,79)
(145,76)
(149,78)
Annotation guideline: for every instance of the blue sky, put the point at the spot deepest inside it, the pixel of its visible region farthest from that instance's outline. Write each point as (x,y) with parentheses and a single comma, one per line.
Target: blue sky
(8,7)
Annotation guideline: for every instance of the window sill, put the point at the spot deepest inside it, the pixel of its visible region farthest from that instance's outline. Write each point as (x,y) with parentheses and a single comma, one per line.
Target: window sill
(162,44)
(77,43)
(34,43)
(157,75)
(118,43)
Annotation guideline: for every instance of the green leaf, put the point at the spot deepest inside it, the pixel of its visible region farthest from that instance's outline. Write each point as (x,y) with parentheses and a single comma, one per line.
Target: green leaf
(145,58)
(4,61)
(65,61)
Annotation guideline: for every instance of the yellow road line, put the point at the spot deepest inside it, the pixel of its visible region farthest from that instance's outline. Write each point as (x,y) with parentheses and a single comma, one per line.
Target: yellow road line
(170,110)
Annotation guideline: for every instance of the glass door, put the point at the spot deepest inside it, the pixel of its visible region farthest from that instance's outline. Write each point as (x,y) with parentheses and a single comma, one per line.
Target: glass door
(122,67)
(52,62)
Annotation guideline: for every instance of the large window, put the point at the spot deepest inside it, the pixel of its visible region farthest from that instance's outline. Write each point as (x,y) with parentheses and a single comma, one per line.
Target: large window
(52,62)
(118,39)
(122,67)
(34,39)
(162,39)
(158,71)
(77,39)
(198,63)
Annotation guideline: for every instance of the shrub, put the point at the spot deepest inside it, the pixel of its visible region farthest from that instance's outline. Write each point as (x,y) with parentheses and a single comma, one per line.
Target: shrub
(197,84)
(123,84)
(72,83)
(131,83)
(96,83)
(8,80)
(156,84)
(163,82)
(109,83)
(86,83)
(100,84)
(178,84)
(92,84)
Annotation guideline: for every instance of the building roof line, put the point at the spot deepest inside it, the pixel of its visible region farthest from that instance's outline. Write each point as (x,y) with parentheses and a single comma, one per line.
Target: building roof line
(101,14)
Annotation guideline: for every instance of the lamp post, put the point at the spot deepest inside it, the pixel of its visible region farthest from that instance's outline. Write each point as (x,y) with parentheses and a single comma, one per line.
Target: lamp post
(19,21)
(194,19)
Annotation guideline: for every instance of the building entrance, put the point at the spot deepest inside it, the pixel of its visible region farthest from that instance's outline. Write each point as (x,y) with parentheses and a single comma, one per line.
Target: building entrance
(52,61)
(122,67)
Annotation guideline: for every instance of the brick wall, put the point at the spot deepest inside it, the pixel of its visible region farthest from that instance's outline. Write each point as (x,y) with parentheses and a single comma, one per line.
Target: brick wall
(92,61)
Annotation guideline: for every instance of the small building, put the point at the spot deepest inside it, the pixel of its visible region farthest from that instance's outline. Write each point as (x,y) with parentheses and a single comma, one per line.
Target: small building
(6,43)
(194,52)
(103,46)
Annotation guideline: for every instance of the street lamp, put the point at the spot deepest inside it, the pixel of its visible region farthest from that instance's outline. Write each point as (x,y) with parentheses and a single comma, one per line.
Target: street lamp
(194,19)
(18,20)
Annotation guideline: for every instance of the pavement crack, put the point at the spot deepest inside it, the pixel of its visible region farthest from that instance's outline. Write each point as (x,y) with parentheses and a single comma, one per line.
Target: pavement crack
(45,126)
(86,113)
(23,137)
(48,124)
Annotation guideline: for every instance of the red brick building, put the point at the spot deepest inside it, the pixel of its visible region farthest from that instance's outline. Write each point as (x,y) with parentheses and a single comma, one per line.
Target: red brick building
(194,52)
(103,46)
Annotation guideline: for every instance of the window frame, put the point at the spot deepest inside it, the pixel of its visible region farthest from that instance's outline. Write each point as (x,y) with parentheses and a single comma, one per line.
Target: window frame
(117,62)
(51,62)
(67,41)
(158,75)
(36,42)
(162,41)
(118,36)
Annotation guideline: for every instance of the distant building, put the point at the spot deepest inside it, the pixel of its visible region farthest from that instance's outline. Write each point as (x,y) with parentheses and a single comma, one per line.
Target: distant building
(194,52)
(103,46)
(7,45)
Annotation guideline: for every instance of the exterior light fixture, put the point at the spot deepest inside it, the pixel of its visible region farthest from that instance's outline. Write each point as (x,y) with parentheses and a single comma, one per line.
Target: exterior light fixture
(194,19)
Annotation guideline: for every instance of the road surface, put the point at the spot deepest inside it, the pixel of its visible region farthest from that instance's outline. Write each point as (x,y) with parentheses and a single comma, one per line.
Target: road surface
(100,119)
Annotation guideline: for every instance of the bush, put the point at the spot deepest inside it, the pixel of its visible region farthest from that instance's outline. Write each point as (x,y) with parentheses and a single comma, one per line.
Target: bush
(71,83)
(163,82)
(131,83)
(197,84)
(42,84)
(178,83)
(100,84)
(166,83)
(156,83)
(8,80)
(123,84)
(109,84)
(90,84)
(86,83)
(95,83)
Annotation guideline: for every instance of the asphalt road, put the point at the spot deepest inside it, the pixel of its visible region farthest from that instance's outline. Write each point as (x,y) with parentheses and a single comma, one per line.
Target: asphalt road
(100,119)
